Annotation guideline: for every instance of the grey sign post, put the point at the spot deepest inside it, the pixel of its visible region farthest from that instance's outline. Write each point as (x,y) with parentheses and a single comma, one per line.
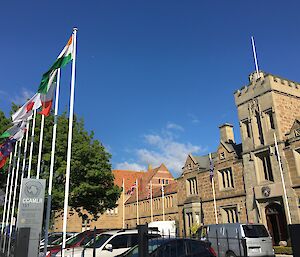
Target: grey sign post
(31,207)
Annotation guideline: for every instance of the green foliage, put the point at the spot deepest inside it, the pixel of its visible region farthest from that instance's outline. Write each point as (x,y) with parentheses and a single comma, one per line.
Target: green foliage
(4,125)
(283,250)
(91,180)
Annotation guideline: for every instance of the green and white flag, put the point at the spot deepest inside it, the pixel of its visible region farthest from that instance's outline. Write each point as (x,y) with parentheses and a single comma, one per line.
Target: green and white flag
(62,60)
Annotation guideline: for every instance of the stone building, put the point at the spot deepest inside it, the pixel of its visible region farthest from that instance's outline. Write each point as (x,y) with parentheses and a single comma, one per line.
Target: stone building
(195,195)
(270,105)
(111,219)
(163,207)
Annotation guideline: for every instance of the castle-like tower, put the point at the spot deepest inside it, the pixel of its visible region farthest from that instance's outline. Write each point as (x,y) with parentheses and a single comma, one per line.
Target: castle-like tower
(270,105)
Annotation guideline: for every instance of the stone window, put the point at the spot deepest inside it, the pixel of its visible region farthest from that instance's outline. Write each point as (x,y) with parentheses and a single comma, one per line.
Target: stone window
(226,178)
(270,119)
(167,181)
(297,160)
(264,167)
(246,128)
(191,184)
(230,215)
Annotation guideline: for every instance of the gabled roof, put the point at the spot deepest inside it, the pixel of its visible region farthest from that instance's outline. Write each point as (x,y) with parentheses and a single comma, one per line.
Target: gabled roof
(143,183)
(129,177)
(232,147)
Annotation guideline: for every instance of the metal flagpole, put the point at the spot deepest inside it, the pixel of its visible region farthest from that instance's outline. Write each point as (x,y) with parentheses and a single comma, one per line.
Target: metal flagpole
(49,199)
(10,193)
(283,182)
(123,204)
(6,194)
(255,57)
(69,144)
(151,202)
(38,169)
(163,201)
(214,194)
(25,149)
(14,197)
(31,144)
(137,203)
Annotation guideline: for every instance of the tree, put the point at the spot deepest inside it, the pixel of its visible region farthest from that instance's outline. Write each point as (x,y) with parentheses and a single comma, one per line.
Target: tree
(4,124)
(91,181)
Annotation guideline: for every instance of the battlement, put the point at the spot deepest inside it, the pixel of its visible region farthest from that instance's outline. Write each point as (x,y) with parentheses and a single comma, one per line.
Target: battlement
(263,83)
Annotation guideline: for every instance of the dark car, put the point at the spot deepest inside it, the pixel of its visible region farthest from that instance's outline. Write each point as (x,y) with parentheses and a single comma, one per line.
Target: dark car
(174,247)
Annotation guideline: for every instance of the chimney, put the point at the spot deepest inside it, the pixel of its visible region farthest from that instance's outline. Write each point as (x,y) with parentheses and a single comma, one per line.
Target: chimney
(226,133)
(149,167)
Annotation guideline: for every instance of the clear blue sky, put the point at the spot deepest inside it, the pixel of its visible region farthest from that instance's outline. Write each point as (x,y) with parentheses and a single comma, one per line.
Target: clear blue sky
(154,78)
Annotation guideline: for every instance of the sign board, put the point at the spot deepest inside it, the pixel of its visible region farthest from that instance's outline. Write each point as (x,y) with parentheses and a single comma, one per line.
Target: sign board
(30,215)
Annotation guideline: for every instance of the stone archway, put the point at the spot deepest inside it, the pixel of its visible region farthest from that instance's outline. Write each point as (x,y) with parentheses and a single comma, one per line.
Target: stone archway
(276,222)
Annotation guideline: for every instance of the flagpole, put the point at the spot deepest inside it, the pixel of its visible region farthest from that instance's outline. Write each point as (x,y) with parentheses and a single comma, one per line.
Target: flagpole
(10,193)
(163,201)
(49,198)
(14,197)
(25,149)
(137,203)
(151,202)
(38,169)
(69,145)
(31,144)
(6,194)
(283,182)
(123,212)
(255,57)
(214,194)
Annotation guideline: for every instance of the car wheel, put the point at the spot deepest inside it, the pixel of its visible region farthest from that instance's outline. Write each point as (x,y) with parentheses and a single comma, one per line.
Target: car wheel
(230,254)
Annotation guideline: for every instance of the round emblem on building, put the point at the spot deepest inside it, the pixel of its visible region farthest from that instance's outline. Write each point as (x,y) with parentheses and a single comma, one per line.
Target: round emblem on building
(266,191)
(32,188)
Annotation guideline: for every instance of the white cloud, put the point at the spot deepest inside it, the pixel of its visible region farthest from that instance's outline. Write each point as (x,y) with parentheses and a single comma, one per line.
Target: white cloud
(194,118)
(22,97)
(3,93)
(174,126)
(130,166)
(163,147)
(166,150)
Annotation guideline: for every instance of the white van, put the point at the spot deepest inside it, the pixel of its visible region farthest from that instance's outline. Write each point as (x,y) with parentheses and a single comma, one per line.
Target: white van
(165,228)
(236,239)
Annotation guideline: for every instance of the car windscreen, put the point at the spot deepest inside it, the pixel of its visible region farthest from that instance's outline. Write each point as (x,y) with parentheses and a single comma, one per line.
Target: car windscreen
(152,246)
(100,240)
(255,231)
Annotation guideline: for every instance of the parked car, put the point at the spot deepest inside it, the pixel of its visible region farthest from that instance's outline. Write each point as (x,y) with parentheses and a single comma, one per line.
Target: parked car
(237,239)
(53,236)
(109,244)
(174,247)
(77,240)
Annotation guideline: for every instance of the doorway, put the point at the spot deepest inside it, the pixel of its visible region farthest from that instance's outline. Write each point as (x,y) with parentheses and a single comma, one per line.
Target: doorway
(276,223)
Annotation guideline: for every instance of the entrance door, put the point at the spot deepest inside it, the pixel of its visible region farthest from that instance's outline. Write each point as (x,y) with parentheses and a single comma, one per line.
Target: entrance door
(276,223)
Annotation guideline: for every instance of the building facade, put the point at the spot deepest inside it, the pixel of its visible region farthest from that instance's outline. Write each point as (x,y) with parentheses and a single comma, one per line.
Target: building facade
(222,169)
(158,206)
(269,107)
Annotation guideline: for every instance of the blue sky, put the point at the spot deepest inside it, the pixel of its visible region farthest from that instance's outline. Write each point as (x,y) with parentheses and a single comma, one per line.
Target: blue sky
(154,78)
